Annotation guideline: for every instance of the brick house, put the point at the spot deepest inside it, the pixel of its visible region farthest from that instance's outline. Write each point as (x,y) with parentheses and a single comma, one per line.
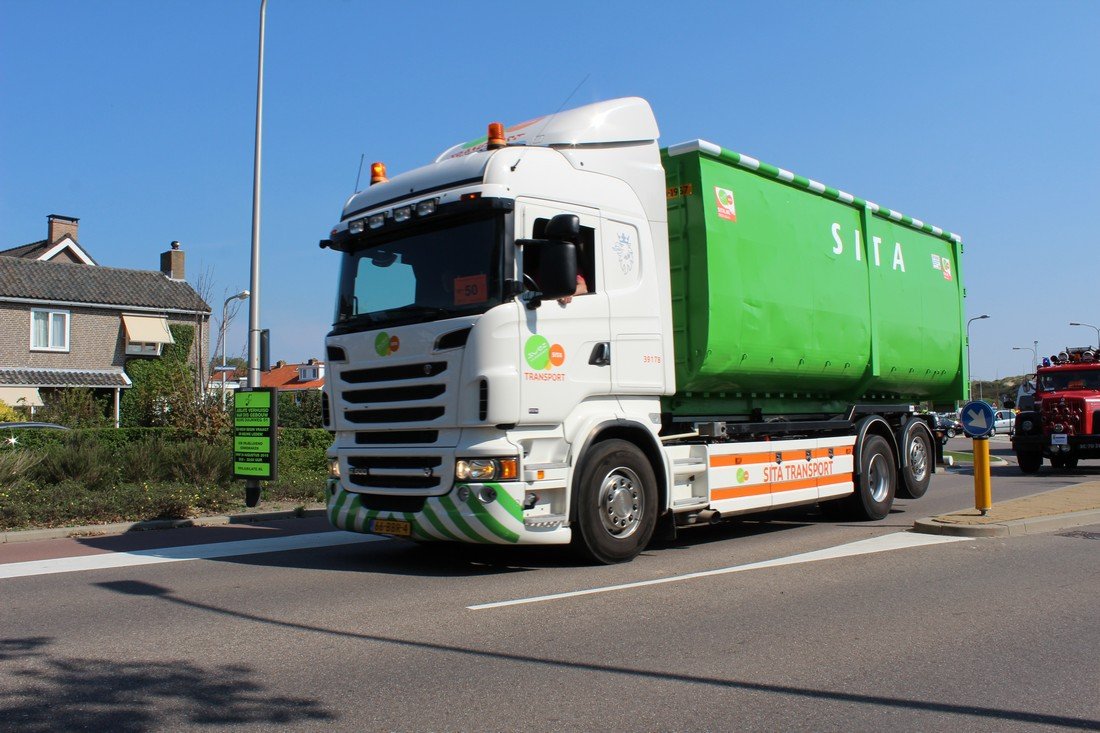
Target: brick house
(66,321)
(295,378)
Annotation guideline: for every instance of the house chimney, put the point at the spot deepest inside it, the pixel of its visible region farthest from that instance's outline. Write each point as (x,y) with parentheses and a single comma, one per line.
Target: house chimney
(59,226)
(171,262)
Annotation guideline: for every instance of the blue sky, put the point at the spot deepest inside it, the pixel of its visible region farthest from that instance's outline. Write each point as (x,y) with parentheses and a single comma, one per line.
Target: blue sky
(138,118)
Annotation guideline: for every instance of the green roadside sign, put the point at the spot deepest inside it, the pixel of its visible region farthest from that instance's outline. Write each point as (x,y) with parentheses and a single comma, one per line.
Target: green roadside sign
(255,448)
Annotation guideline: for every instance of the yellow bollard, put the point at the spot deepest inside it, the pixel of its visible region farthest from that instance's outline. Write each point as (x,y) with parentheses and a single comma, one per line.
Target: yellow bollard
(983,495)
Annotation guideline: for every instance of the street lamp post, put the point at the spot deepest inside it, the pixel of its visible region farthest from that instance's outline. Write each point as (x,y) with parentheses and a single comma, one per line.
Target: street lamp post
(970,380)
(252,485)
(1075,323)
(225,308)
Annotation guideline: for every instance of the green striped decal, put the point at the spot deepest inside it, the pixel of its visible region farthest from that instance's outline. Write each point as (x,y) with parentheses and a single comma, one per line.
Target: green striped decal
(442,517)
(771,171)
(489,520)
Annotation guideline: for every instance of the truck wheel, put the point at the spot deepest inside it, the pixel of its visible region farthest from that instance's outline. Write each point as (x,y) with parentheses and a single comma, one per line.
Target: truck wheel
(616,503)
(916,474)
(877,481)
(1029,461)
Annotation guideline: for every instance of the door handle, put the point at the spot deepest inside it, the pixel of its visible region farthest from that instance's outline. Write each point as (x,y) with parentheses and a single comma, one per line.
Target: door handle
(601,354)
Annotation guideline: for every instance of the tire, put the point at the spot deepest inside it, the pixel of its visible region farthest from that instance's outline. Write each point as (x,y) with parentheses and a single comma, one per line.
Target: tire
(1029,461)
(916,474)
(615,503)
(950,433)
(877,481)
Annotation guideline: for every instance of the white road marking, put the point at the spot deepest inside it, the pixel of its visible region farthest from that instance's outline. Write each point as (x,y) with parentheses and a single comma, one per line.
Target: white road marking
(896,541)
(180,554)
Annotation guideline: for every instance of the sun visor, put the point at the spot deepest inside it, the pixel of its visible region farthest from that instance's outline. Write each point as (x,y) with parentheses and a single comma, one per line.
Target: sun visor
(629,119)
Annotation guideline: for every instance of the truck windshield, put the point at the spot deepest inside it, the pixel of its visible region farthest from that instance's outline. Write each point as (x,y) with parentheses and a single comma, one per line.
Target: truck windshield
(1059,381)
(423,275)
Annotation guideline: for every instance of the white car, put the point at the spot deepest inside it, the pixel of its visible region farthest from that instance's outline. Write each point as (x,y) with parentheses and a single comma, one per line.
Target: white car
(1004,421)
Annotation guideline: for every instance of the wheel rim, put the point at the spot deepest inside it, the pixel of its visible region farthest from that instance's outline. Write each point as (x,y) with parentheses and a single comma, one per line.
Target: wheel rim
(878,480)
(621,502)
(918,459)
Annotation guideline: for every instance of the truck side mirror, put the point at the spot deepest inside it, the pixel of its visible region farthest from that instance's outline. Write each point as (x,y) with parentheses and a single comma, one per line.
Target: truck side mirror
(564,228)
(556,275)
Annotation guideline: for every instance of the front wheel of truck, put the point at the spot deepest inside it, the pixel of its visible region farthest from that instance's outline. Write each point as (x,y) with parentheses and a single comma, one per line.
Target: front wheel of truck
(1029,461)
(616,503)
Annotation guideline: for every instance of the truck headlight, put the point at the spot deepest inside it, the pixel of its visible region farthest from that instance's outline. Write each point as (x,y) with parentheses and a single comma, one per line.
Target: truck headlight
(334,468)
(486,469)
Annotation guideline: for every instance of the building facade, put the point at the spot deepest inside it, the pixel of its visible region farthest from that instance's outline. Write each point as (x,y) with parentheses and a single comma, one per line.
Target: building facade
(66,321)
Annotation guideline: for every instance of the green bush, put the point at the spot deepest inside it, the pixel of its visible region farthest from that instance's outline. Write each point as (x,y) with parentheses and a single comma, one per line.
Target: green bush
(16,464)
(198,463)
(81,459)
(70,477)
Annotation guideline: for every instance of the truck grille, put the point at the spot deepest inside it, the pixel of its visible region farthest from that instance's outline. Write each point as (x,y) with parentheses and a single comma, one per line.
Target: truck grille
(404,393)
(1064,414)
(395,472)
(394,373)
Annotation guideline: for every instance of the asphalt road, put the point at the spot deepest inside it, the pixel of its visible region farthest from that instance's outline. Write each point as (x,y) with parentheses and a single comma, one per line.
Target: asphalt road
(974,635)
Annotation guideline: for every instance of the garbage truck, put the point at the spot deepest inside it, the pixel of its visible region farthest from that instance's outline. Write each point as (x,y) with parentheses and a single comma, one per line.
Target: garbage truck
(562,334)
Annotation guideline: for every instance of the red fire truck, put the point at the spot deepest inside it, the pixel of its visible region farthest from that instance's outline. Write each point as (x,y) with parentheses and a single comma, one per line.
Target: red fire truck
(1064,425)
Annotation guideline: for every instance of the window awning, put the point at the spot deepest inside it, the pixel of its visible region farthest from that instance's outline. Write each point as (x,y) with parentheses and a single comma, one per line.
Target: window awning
(147,329)
(11,396)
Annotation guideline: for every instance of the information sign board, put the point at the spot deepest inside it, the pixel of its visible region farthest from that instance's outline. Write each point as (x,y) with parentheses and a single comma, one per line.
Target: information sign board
(255,447)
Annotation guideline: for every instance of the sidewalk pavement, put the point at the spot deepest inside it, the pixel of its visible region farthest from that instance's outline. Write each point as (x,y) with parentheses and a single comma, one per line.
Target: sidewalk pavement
(1049,511)
(99,530)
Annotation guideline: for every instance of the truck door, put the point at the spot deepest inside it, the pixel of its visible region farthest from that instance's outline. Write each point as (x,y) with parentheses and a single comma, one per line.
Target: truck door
(566,356)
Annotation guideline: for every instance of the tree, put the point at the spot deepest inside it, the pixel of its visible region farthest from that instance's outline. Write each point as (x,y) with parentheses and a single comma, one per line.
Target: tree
(300,409)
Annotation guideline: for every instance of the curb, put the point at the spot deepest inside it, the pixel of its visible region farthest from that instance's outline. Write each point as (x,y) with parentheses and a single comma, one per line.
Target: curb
(101,530)
(1013,528)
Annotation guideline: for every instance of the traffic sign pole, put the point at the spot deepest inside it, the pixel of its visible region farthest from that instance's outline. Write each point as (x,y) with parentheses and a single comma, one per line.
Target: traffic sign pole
(983,494)
(978,421)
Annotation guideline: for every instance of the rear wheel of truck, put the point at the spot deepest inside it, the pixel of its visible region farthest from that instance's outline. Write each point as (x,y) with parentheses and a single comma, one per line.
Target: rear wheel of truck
(615,503)
(1029,461)
(876,483)
(916,474)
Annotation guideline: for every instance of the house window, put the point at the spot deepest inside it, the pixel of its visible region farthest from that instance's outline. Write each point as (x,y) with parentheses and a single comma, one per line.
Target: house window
(49,330)
(145,335)
(142,348)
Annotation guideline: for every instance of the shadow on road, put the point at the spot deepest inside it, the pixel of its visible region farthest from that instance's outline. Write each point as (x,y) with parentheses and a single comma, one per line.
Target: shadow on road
(248,704)
(46,694)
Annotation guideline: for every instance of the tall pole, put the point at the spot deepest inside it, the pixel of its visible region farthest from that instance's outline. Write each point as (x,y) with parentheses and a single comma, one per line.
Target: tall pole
(254,303)
(221,339)
(969,378)
(251,485)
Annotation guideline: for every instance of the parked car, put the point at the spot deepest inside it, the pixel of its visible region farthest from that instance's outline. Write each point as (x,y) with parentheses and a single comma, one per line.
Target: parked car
(947,427)
(31,426)
(1004,421)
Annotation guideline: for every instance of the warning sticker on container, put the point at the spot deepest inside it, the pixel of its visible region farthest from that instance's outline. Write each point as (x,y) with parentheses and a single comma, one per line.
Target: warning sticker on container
(936,262)
(946,265)
(726,208)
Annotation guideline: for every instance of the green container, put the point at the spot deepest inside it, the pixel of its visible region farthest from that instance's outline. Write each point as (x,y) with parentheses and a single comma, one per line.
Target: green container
(790,297)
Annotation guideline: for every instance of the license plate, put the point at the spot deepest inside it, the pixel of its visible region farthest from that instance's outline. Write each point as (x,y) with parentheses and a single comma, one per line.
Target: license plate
(391,526)
(1059,439)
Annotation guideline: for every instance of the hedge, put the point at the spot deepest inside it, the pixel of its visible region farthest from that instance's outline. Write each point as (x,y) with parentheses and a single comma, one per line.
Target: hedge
(60,477)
